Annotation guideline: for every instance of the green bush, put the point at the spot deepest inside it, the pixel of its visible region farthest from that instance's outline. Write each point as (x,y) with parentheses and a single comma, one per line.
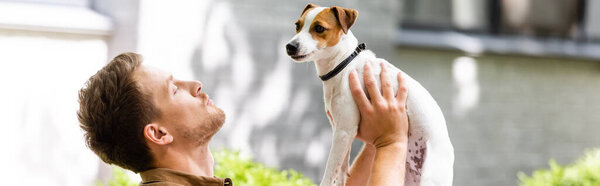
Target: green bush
(243,171)
(584,172)
(119,178)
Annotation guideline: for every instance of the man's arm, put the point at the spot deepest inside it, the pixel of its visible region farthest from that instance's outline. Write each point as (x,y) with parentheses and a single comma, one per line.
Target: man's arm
(384,125)
(360,172)
(389,165)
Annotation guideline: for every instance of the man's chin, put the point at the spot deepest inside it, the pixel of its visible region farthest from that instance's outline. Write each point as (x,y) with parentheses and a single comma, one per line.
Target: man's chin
(204,132)
(220,116)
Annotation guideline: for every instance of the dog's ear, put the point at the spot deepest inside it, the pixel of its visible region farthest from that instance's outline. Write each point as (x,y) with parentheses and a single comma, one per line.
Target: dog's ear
(308,6)
(346,17)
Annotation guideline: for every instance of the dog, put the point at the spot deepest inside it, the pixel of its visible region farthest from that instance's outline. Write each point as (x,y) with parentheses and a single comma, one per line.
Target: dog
(323,35)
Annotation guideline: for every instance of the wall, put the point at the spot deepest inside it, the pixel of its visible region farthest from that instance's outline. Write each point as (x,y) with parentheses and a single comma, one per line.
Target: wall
(593,20)
(80,3)
(46,57)
(507,114)
(41,75)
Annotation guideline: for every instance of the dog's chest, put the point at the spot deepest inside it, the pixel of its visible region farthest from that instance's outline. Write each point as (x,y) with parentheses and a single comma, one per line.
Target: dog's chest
(336,91)
(332,94)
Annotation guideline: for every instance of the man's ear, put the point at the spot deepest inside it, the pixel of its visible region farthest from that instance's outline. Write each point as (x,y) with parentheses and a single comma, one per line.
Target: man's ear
(346,17)
(308,6)
(157,134)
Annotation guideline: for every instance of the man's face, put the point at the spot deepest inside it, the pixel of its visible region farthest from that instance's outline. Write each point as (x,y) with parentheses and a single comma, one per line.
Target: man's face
(187,112)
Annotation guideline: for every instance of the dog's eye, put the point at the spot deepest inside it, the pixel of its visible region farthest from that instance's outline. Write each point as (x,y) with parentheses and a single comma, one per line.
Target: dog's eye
(297,26)
(319,29)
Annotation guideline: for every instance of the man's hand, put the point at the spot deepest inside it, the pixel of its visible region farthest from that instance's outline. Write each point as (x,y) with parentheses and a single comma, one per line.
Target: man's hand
(383,119)
(383,127)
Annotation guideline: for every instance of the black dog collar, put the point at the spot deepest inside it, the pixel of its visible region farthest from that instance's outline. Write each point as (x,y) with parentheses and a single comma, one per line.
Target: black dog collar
(344,63)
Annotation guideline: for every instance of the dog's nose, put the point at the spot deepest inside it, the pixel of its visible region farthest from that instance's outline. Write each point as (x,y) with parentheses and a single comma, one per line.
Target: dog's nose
(292,48)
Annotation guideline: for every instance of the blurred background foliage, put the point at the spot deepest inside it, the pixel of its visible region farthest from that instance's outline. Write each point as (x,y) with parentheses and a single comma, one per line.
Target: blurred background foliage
(231,164)
(584,172)
(244,171)
(118,178)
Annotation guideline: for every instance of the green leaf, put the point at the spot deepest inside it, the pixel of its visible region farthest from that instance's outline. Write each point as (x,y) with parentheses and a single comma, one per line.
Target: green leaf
(583,172)
(243,171)
(119,178)
(230,164)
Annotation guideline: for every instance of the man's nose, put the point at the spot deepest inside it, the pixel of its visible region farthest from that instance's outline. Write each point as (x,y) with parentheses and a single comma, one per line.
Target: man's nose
(292,48)
(197,87)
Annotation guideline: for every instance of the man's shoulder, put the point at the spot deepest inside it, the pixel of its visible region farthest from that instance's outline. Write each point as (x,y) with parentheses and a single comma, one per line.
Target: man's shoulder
(160,183)
(169,177)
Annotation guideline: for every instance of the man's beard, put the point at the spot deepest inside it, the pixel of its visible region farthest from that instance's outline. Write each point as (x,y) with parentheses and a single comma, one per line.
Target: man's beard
(202,133)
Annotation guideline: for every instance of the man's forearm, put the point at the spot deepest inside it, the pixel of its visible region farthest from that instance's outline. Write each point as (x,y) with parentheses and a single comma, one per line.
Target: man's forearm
(360,171)
(389,165)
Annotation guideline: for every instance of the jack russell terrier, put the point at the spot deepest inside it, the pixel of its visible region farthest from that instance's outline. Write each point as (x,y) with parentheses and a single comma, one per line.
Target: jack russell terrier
(323,36)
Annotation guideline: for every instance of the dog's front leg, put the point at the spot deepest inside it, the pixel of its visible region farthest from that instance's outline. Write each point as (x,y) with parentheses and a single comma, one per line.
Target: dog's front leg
(344,173)
(341,145)
(345,120)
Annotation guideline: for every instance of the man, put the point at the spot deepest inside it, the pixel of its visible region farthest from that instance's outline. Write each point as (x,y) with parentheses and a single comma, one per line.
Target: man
(142,119)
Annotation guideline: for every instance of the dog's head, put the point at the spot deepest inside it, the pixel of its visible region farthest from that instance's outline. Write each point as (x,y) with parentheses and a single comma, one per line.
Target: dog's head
(317,29)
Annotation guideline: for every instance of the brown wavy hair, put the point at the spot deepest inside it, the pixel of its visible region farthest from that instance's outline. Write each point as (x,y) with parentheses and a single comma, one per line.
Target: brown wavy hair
(113,112)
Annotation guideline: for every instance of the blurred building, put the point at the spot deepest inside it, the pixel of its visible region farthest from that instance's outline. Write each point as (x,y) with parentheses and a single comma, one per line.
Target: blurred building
(516,79)
(47,50)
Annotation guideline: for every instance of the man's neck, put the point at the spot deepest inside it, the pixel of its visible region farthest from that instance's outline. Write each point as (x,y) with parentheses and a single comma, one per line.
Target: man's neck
(198,161)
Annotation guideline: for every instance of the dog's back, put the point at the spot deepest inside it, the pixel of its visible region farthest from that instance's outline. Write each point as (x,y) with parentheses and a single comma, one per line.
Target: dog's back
(430,156)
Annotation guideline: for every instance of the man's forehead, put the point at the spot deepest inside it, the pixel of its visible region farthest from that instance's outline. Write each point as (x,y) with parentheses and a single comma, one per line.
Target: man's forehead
(150,78)
(144,72)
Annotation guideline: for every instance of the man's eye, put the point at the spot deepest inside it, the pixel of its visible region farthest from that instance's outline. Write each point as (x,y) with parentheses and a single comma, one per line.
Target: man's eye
(319,29)
(175,88)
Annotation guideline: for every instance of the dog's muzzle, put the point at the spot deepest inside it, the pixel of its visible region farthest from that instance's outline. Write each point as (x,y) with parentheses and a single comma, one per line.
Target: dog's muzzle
(292,48)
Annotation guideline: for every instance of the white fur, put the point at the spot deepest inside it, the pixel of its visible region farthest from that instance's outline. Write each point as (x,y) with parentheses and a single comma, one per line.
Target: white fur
(427,125)
(309,45)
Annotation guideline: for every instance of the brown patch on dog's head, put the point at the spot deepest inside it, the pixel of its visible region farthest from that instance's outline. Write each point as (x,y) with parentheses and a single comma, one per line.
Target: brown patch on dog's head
(330,24)
(308,7)
(346,17)
(300,22)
